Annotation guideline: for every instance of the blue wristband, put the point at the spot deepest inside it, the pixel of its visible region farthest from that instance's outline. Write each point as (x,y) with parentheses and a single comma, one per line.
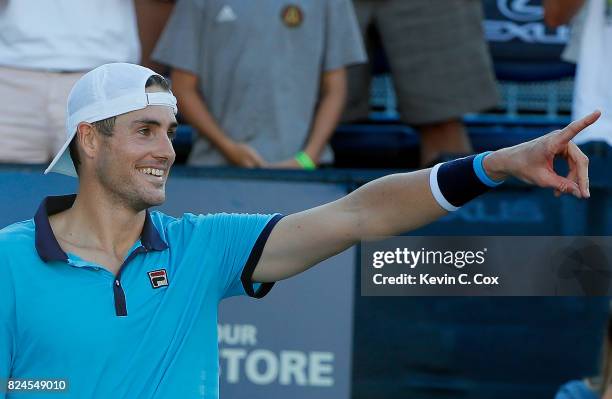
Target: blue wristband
(480,172)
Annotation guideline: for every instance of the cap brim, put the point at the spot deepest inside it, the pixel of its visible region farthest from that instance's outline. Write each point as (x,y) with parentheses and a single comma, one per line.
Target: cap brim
(62,163)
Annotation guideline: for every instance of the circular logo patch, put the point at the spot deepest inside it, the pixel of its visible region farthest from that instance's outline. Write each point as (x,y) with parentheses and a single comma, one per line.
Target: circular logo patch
(292,16)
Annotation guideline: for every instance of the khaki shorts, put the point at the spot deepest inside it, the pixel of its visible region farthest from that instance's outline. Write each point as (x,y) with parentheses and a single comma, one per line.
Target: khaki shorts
(438,56)
(33,114)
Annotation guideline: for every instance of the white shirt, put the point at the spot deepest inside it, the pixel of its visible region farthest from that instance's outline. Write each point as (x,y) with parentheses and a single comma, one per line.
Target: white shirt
(67,35)
(593,88)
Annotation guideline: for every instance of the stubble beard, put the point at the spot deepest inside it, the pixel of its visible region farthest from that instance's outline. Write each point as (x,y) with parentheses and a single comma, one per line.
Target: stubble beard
(124,192)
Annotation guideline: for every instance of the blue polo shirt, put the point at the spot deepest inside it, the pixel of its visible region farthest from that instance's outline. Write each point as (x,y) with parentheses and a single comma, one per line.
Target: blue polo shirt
(150,331)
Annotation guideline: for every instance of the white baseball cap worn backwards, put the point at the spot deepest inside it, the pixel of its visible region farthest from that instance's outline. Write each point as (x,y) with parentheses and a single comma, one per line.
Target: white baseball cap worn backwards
(107,91)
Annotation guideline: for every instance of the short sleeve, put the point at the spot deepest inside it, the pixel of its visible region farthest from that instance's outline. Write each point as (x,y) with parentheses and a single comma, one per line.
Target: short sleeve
(180,43)
(343,41)
(235,243)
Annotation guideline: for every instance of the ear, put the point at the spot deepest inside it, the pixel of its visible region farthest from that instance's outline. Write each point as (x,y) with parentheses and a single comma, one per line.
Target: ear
(88,139)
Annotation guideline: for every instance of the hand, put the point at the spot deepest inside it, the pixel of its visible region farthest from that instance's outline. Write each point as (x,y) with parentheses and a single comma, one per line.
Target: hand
(286,164)
(243,155)
(532,162)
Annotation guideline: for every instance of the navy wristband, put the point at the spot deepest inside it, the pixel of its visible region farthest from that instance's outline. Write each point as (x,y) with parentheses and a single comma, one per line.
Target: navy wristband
(455,183)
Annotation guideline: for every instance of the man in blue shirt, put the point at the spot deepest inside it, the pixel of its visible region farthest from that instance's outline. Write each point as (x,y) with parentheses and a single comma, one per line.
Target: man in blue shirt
(122,302)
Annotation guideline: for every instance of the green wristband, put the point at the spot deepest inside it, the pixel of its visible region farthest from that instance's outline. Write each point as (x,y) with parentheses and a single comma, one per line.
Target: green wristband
(305,161)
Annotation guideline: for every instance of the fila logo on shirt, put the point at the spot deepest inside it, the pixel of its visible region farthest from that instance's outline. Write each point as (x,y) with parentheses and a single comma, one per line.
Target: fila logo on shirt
(158,278)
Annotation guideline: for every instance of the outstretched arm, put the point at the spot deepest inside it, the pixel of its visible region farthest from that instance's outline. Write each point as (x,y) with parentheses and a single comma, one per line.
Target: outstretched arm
(402,202)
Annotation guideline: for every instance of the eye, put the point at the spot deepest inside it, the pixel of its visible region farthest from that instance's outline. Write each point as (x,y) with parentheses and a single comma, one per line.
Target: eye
(145,131)
(171,134)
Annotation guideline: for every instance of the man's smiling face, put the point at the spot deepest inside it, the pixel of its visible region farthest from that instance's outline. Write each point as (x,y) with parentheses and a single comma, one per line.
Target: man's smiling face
(134,163)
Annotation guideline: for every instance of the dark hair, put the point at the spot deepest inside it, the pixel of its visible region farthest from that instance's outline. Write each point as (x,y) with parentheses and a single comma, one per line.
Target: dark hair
(158,80)
(106,126)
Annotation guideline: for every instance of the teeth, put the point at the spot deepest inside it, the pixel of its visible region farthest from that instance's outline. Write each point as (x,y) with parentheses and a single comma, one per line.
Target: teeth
(152,171)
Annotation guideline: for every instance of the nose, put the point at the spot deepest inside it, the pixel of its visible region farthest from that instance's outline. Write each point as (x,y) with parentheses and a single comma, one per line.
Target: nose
(164,149)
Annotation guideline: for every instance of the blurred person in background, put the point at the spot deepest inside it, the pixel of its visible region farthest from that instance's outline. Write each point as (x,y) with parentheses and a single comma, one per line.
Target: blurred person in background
(262,83)
(571,13)
(593,388)
(592,87)
(45,47)
(440,66)
(152,18)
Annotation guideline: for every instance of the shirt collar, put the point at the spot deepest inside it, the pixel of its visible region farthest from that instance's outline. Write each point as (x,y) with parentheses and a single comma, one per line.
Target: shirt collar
(49,249)
(150,237)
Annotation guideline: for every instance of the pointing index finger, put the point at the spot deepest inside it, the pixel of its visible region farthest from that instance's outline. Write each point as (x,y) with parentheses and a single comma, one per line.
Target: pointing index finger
(571,130)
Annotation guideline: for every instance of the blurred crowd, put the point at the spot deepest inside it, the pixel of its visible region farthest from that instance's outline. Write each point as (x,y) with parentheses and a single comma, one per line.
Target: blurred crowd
(263,84)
